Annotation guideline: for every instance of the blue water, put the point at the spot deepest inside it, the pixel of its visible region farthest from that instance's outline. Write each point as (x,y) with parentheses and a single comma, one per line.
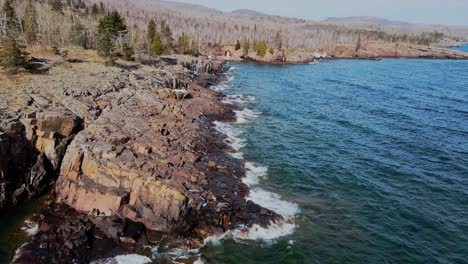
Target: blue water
(463,48)
(374,153)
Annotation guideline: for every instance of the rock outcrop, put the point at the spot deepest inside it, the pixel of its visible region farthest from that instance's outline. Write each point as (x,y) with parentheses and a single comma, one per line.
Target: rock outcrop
(31,150)
(135,149)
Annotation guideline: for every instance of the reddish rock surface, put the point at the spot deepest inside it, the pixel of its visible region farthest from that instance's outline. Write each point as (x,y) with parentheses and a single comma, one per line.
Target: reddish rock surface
(141,154)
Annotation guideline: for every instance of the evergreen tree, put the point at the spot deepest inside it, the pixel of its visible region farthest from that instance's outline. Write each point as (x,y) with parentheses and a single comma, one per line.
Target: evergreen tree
(56,5)
(166,35)
(184,44)
(112,31)
(13,55)
(238,45)
(272,51)
(279,40)
(94,9)
(102,9)
(78,35)
(358,44)
(30,23)
(157,46)
(11,25)
(255,45)
(127,52)
(261,48)
(246,46)
(151,29)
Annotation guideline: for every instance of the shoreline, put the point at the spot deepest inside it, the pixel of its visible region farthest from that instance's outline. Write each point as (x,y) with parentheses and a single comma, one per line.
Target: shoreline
(224,172)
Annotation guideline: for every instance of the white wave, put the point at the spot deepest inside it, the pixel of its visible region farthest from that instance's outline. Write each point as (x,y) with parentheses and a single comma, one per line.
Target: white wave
(198,261)
(263,197)
(30,228)
(234,139)
(220,87)
(239,99)
(125,259)
(254,173)
(246,115)
(273,202)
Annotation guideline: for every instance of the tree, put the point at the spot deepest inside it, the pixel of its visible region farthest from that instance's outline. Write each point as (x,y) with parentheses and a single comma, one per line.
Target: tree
(112,31)
(11,25)
(56,5)
(30,23)
(157,46)
(94,9)
(184,44)
(238,45)
(358,44)
(78,35)
(13,55)
(272,51)
(246,46)
(166,35)
(102,9)
(279,40)
(152,30)
(261,48)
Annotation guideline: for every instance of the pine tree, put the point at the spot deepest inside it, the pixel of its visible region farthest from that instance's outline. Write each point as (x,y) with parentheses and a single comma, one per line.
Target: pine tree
(279,40)
(157,46)
(11,25)
(127,52)
(56,5)
(94,9)
(246,46)
(261,48)
(13,55)
(102,9)
(358,44)
(112,31)
(78,35)
(151,29)
(238,45)
(184,44)
(255,45)
(166,35)
(30,23)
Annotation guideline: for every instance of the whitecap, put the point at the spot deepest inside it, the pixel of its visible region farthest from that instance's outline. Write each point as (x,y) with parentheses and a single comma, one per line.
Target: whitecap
(125,259)
(30,228)
(233,135)
(254,173)
(246,115)
(239,99)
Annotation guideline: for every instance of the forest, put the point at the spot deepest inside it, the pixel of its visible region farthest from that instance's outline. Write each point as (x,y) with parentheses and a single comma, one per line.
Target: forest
(131,29)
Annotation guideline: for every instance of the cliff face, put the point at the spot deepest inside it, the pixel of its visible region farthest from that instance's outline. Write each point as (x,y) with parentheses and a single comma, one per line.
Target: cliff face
(32,146)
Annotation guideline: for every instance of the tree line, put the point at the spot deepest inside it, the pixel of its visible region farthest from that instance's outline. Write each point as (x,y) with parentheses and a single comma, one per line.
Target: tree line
(62,23)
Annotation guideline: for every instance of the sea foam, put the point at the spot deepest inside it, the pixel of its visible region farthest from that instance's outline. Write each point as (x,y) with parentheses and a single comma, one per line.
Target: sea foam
(125,259)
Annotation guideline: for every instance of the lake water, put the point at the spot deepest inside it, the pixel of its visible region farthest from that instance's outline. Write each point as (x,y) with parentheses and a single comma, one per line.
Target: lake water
(370,156)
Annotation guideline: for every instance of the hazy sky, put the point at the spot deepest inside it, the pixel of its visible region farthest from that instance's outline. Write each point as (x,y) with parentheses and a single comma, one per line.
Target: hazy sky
(453,12)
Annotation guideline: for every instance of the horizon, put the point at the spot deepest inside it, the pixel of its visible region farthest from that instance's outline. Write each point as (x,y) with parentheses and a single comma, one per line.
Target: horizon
(449,12)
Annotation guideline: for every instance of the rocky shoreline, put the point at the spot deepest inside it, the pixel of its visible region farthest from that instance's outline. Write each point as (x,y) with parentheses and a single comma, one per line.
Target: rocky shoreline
(372,50)
(133,158)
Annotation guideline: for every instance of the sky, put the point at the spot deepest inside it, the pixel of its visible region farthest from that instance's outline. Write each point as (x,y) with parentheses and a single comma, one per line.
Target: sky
(450,12)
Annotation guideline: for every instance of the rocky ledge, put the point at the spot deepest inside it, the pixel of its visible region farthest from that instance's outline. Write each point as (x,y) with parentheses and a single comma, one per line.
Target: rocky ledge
(131,154)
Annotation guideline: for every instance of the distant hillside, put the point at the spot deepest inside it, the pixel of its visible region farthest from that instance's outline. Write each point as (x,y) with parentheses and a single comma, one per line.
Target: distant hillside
(208,27)
(248,12)
(368,19)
